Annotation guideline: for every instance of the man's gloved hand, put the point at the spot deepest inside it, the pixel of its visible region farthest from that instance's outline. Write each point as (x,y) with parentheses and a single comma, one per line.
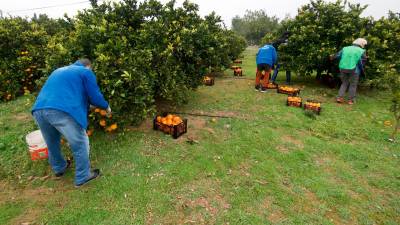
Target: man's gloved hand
(109,112)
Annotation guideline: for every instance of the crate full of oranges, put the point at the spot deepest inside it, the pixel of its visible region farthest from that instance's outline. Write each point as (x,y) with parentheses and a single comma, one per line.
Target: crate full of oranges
(170,124)
(288,90)
(234,67)
(208,81)
(238,71)
(313,105)
(294,101)
(272,86)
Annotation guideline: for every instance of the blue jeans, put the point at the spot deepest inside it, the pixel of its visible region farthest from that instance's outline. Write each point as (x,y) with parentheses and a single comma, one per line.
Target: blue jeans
(53,124)
(276,71)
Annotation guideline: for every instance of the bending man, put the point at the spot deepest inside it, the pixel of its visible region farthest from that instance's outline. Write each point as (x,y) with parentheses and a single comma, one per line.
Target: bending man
(61,109)
(266,59)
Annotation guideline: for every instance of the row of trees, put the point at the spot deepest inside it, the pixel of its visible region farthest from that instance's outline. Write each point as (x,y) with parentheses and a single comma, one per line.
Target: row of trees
(141,51)
(254,25)
(321,29)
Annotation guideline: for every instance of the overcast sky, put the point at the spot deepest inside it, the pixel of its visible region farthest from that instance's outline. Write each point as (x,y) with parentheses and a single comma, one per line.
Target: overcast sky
(227,9)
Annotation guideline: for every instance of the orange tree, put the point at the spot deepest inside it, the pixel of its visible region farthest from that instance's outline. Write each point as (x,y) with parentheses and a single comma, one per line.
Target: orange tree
(384,39)
(319,30)
(145,51)
(23,50)
(21,55)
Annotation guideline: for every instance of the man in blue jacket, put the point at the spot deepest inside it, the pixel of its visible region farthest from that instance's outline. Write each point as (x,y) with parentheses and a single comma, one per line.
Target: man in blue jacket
(266,59)
(61,109)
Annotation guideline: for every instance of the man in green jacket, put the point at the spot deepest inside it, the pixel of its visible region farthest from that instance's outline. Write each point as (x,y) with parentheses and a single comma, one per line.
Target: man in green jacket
(351,65)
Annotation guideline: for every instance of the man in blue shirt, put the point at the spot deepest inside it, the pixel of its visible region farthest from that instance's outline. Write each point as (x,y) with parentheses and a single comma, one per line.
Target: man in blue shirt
(61,109)
(266,59)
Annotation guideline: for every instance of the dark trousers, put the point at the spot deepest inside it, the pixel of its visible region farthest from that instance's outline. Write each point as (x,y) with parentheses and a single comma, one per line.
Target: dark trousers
(349,81)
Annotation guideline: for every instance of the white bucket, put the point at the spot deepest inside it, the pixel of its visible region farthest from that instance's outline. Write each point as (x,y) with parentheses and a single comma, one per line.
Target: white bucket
(37,146)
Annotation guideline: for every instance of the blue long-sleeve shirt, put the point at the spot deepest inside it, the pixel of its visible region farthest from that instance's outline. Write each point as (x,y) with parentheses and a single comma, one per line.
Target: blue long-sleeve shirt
(71,89)
(267,54)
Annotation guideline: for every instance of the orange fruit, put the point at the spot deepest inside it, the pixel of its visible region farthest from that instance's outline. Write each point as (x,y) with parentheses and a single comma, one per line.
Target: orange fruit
(102,123)
(89,132)
(103,112)
(97,110)
(113,126)
(159,119)
(169,117)
(164,120)
(177,120)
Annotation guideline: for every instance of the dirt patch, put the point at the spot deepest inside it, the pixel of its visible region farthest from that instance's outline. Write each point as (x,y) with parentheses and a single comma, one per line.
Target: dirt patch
(215,114)
(333,216)
(276,217)
(325,161)
(35,198)
(195,122)
(272,212)
(289,143)
(231,114)
(198,203)
(293,140)
(24,117)
(311,202)
(243,170)
(283,149)
(146,126)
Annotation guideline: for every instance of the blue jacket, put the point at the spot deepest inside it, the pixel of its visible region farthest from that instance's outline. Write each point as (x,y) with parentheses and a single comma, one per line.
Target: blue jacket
(267,54)
(71,89)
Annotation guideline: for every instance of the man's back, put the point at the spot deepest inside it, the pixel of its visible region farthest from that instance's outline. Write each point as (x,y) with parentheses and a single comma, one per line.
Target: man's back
(71,89)
(266,55)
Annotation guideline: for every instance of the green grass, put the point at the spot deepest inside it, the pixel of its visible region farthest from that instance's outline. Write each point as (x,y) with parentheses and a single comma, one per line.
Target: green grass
(269,164)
